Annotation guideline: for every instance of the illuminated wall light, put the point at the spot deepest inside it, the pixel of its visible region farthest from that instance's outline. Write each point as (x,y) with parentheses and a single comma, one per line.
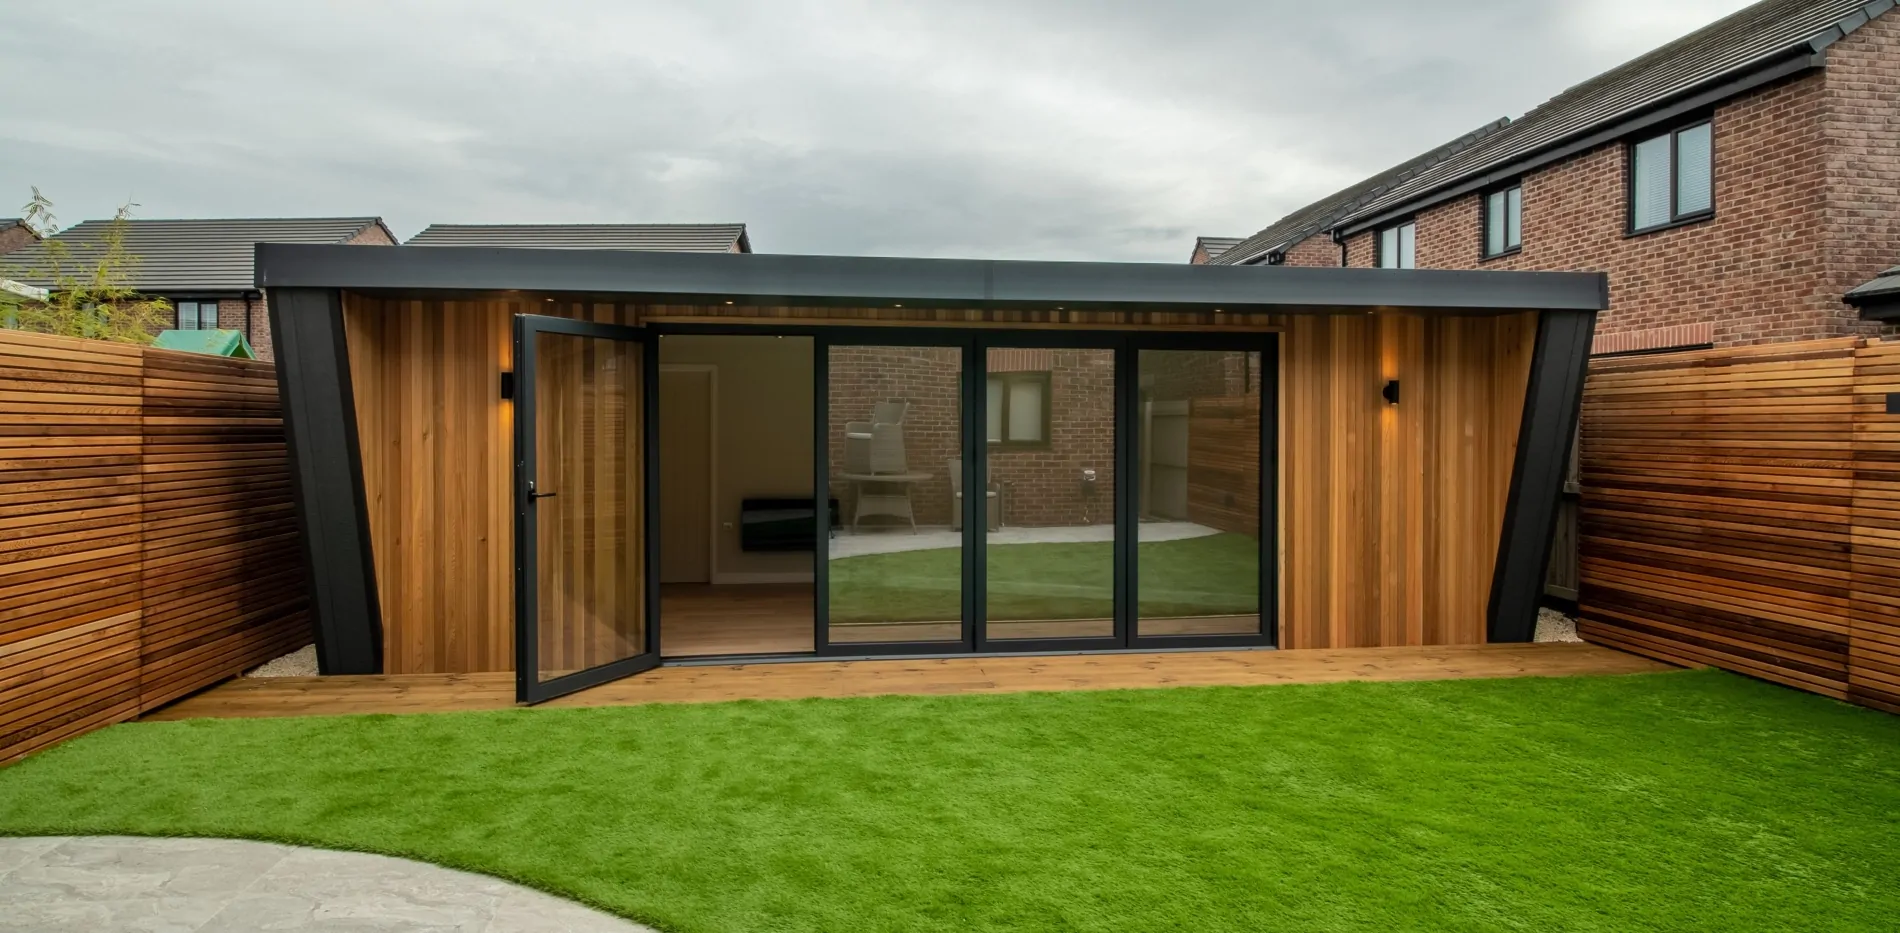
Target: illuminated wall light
(1391,392)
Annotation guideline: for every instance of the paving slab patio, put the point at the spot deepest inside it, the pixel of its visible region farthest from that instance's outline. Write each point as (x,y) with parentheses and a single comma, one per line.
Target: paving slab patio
(119,884)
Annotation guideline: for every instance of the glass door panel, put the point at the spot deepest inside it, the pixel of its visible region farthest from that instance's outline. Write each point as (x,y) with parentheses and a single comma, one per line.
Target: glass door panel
(582,568)
(1197,552)
(894,450)
(1050,496)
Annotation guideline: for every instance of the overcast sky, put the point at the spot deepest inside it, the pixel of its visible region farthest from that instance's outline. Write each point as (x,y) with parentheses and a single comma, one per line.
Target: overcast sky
(984,128)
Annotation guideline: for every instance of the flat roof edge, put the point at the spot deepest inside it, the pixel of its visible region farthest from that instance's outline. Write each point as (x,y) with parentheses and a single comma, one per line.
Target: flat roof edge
(879,281)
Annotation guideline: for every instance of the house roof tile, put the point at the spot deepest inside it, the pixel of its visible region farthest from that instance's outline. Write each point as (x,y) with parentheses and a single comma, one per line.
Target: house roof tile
(1745,42)
(687,238)
(185,255)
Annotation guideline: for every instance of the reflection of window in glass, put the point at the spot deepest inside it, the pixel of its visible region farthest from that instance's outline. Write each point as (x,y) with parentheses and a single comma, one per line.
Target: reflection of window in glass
(1019,409)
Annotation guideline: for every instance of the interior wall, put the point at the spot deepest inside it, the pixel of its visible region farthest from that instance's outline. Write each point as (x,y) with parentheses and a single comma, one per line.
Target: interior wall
(1392,512)
(764,438)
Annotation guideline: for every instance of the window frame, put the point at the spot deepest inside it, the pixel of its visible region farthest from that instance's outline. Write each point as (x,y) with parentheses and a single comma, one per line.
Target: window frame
(1677,218)
(1042,377)
(1484,221)
(178,313)
(1378,243)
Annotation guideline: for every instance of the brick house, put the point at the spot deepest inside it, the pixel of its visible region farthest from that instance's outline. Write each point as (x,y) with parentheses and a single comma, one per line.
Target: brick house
(203,267)
(15,234)
(1206,248)
(1303,238)
(1735,183)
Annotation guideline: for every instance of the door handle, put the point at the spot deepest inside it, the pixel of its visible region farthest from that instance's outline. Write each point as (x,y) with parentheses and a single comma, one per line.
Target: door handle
(532,495)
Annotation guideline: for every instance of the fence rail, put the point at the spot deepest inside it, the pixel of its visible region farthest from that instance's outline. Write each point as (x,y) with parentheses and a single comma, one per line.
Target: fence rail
(147,534)
(1741,508)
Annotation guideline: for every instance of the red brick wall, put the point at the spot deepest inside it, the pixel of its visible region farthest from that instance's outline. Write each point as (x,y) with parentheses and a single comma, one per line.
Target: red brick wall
(1773,262)
(249,317)
(924,376)
(1044,486)
(1860,117)
(1040,486)
(231,312)
(1315,251)
(14,237)
(372,235)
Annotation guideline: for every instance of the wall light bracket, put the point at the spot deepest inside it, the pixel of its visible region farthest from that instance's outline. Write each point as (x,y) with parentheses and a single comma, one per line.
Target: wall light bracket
(507,384)
(1390,392)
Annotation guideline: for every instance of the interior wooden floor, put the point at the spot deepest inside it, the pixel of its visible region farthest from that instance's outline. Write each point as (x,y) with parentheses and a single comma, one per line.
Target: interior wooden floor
(429,693)
(699,620)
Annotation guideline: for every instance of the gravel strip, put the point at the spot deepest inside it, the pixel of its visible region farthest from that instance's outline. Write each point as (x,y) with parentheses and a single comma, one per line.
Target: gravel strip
(299,663)
(1555,626)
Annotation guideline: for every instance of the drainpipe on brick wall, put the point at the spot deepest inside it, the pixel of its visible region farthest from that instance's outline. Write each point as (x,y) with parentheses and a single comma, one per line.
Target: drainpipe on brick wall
(248,314)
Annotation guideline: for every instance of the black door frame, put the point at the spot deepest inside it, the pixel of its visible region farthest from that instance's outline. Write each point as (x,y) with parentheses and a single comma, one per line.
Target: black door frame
(974,343)
(529,688)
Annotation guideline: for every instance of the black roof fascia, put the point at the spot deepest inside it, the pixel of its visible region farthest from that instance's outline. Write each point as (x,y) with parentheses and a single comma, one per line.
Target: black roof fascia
(1802,59)
(770,278)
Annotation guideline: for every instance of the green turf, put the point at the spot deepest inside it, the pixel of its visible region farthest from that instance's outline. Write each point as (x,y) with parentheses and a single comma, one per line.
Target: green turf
(1210,575)
(1680,801)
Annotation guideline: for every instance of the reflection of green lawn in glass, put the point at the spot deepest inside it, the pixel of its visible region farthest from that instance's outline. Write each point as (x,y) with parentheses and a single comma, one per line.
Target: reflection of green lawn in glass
(1211,575)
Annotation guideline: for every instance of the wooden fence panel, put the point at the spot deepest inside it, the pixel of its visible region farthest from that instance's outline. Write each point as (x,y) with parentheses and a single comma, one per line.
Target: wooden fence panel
(1741,508)
(1873,666)
(69,551)
(147,534)
(223,573)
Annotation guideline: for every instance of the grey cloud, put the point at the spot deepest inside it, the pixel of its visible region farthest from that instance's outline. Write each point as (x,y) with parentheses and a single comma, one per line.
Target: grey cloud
(1107,130)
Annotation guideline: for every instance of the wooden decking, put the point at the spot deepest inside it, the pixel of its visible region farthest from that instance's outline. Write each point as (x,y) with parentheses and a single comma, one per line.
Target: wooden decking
(432,693)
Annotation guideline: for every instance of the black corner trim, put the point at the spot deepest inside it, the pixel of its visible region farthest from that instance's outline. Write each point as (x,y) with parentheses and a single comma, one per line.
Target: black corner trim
(313,377)
(1553,396)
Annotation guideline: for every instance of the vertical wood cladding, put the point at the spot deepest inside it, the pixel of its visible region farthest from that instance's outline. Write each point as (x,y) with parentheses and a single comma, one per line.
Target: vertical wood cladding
(1389,521)
(1392,512)
(147,536)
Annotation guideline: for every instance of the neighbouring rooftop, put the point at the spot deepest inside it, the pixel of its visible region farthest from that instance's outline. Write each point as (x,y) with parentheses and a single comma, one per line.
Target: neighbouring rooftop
(686,238)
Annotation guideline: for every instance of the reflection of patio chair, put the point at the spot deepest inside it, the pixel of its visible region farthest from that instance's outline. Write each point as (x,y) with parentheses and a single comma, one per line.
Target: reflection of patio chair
(867,450)
(993,510)
(875,449)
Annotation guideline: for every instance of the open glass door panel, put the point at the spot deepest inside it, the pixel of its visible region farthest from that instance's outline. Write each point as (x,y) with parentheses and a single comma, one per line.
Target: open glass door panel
(582,575)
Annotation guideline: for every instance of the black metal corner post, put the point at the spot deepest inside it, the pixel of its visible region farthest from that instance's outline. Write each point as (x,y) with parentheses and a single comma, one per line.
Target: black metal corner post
(974,386)
(1269,376)
(319,405)
(1552,397)
(650,484)
(821,492)
(527,582)
(1127,485)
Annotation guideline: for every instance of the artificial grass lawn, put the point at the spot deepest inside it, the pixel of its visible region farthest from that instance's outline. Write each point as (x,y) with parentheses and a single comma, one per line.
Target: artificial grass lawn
(1211,575)
(1679,801)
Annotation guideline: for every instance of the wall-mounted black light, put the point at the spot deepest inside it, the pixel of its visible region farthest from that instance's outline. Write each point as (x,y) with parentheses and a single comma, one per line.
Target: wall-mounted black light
(1390,392)
(507,384)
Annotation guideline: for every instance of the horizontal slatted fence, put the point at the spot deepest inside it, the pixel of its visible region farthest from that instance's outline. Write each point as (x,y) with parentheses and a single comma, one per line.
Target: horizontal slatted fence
(147,533)
(1741,509)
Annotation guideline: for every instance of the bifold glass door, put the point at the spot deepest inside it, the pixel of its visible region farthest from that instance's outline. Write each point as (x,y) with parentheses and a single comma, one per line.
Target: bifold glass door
(583,571)
(1044,490)
(892,569)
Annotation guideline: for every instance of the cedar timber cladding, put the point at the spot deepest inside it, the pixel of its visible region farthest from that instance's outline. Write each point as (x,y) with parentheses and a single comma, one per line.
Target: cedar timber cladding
(1722,521)
(223,576)
(1873,656)
(70,504)
(1393,512)
(147,535)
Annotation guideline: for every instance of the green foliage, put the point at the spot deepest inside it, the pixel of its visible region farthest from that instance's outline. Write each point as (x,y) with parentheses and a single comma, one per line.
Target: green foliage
(92,294)
(1686,801)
